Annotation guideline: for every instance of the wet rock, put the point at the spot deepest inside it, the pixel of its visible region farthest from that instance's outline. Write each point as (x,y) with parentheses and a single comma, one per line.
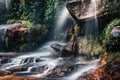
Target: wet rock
(13,32)
(9,55)
(63,51)
(57,47)
(50,70)
(108,71)
(85,10)
(3,73)
(71,49)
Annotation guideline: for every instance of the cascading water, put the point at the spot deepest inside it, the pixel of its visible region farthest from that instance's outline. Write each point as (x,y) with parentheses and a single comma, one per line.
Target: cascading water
(58,32)
(6,3)
(83,71)
(91,27)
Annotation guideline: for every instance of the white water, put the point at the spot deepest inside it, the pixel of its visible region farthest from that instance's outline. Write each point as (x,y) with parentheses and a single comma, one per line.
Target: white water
(92,65)
(63,15)
(6,2)
(49,65)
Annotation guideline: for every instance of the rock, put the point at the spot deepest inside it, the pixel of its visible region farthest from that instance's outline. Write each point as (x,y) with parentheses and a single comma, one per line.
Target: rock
(115,32)
(64,51)
(9,55)
(17,32)
(71,49)
(13,32)
(79,9)
(57,47)
(85,10)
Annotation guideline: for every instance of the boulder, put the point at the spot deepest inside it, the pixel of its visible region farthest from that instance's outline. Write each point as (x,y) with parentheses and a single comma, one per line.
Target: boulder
(63,51)
(71,49)
(56,47)
(14,32)
(115,32)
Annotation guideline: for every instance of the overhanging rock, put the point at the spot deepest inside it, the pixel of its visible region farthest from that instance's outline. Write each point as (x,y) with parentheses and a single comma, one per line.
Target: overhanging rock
(84,10)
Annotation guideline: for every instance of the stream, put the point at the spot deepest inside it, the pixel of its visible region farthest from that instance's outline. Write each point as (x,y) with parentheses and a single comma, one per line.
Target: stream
(77,67)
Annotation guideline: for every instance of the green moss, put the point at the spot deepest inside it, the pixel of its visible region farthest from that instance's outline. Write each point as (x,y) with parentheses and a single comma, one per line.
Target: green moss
(109,42)
(35,34)
(75,32)
(11,21)
(93,48)
(23,47)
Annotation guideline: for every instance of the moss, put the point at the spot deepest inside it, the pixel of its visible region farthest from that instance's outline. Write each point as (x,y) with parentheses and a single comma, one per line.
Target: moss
(75,32)
(35,34)
(93,48)
(110,43)
(23,47)
(11,21)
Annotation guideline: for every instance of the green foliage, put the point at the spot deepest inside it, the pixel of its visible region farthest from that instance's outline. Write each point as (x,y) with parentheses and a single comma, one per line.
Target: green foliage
(110,42)
(53,10)
(38,32)
(91,48)
(34,15)
(35,32)
(32,10)
(112,6)
(42,12)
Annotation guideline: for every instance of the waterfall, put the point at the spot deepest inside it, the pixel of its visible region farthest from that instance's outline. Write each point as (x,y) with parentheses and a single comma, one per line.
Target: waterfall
(6,2)
(91,27)
(58,33)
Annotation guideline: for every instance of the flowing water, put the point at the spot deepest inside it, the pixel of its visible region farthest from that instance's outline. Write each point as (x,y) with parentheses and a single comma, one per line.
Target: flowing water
(91,27)
(58,32)
(6,3)
(85,70)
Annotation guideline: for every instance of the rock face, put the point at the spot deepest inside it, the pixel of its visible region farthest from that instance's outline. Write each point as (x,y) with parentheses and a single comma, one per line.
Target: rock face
(83,10)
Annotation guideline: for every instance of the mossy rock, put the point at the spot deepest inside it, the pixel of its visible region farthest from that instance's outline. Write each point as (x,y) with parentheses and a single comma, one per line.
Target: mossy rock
(35,34)
(111,43)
